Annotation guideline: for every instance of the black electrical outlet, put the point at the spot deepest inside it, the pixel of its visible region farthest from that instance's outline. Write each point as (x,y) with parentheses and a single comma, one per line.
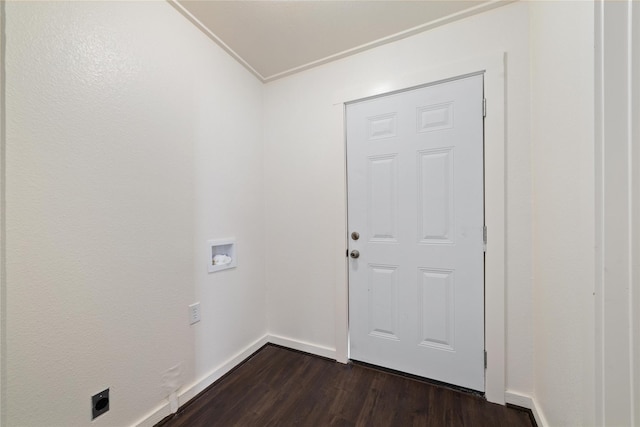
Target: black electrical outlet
(99,404)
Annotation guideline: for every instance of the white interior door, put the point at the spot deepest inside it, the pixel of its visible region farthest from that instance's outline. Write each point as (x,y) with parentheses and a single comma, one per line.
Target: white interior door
(415,197)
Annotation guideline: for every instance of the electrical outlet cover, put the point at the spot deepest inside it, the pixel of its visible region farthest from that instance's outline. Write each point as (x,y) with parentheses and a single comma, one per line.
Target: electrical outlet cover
(99,404)
(194,313)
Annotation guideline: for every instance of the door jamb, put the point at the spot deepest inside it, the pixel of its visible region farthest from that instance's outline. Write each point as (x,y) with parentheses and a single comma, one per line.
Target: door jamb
(494,67)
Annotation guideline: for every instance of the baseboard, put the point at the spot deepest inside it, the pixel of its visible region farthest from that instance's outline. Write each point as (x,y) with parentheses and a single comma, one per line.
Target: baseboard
(528,402)
(191,391)
(307,347)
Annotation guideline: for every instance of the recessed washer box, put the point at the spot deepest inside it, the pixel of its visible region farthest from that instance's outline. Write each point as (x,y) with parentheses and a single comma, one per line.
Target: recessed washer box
(222,254)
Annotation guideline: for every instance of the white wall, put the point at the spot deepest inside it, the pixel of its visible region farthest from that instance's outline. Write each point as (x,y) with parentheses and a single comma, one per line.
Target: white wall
(131,140)
(562,93)
(304,174)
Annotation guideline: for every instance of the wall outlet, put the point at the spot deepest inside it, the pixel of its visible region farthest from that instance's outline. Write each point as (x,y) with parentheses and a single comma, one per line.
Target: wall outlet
(194,313)
(99,404)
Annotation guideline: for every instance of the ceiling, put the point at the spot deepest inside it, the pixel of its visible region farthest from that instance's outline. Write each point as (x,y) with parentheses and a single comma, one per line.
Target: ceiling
(277,38)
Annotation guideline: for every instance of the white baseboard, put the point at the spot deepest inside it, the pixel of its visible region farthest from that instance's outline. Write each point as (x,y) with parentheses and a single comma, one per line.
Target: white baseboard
(191,391)
(528,402)
(303,346)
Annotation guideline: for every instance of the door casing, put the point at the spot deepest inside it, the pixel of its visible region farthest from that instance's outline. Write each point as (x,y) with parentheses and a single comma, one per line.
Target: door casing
(493,66)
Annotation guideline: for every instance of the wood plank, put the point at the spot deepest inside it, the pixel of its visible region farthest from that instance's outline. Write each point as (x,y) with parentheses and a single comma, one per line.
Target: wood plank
(282,387)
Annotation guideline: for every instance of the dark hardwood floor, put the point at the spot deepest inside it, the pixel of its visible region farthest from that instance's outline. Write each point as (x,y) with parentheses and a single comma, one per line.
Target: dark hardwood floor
(281,387)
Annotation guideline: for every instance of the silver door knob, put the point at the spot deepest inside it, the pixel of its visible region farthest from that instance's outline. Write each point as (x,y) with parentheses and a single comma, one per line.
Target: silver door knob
(354,254)
(355,235)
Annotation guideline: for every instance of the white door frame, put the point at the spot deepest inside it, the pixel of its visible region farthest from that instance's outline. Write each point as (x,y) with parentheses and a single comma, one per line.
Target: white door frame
(493,66)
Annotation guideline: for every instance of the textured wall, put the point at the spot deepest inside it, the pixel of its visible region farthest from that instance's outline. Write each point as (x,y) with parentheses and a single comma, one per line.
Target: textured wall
(562,84)
(131,140)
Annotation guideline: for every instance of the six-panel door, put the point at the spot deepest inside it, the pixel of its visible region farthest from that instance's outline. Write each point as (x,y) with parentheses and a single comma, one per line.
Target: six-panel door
(415,196)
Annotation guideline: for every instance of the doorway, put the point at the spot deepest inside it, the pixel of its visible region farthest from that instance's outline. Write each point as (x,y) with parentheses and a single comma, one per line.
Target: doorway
(416,231)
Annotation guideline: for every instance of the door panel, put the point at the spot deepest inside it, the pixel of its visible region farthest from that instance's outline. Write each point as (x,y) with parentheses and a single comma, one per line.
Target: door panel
(415,195)
(383,301)
(383,198)
(437,307)
(435,196)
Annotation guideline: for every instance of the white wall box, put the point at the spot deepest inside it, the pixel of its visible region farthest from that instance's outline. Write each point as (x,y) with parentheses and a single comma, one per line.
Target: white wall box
(221,254)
